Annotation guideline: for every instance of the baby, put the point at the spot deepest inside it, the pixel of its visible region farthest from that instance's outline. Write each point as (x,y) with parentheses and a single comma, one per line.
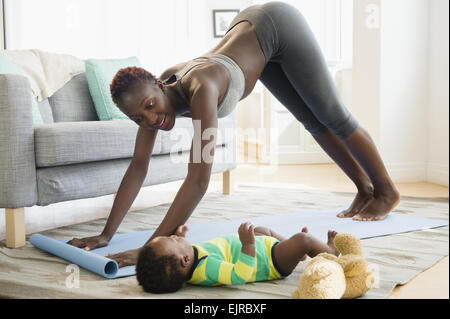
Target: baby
(255,254)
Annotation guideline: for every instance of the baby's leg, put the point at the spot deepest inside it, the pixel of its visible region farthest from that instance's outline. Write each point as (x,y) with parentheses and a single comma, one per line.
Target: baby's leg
(260,230)
(290,252)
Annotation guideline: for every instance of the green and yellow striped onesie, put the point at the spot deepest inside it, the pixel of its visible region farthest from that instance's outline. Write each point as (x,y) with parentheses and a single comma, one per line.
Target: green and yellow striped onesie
(221,262)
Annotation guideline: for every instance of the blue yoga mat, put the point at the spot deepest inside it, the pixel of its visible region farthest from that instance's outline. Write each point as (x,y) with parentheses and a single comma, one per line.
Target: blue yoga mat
(287,224)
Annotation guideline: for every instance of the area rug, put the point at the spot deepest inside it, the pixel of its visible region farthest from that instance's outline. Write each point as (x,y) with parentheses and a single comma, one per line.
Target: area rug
(30,273)
(318,221)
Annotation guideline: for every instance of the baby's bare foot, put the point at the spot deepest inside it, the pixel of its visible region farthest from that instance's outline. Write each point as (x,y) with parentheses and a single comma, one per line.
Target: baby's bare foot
(304,230)
(330,243)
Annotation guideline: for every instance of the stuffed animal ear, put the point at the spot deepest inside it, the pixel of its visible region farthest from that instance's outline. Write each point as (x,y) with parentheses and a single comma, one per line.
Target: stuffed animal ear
(348,244)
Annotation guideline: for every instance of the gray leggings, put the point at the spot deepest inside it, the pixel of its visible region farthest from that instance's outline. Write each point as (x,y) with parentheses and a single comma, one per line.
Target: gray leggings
(296,72)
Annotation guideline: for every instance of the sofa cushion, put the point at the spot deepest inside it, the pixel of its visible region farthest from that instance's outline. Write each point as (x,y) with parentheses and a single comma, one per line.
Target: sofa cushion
(79,142)
(73,101)
(46,111)
(87,180)
(8,67)
(100,74)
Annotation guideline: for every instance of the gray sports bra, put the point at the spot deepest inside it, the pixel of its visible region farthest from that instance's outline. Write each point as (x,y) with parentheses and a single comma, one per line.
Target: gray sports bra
(236,85)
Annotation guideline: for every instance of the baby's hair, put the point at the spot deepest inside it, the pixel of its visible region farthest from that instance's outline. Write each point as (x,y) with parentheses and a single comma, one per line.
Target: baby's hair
(126,77)
(158,273)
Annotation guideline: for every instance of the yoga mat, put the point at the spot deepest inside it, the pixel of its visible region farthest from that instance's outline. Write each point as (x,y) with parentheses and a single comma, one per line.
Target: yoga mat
(286,224)
(94,262)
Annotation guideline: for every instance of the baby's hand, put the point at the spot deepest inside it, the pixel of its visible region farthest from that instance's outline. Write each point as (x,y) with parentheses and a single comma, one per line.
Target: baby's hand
(181,231)
(247,233)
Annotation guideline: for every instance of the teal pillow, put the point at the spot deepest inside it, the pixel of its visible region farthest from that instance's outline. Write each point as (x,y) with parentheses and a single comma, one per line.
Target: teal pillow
(8,67)
(100,74)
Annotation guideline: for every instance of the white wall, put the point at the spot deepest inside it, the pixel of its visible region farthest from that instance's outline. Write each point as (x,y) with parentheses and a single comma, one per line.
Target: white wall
(160,35)
(400,84)
(438,101)
(404,87)
(399,76)
(1,25)
(366,66)
(86,29)
(155,33)
(201,22)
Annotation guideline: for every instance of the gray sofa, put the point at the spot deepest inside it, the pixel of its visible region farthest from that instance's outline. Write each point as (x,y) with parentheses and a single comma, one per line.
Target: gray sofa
(73,155)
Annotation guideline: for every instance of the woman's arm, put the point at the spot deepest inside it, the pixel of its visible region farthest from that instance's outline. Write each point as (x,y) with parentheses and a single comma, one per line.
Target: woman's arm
(127,192)
(204,118)
(132,181)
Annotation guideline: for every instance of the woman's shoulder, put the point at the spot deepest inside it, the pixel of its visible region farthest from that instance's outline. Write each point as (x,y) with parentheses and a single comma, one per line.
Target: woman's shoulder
(207,77)
(171,71)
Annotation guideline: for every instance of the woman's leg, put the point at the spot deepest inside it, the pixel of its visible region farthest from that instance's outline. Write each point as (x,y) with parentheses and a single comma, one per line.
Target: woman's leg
(339,152)
(304,65)
(288,253)
(386,196)
(277,83)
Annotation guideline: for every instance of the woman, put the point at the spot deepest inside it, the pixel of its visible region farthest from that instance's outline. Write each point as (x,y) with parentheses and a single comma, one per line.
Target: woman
(272,43)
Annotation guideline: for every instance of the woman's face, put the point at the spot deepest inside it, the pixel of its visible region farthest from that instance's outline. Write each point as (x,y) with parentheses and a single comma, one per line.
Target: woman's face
(147,105)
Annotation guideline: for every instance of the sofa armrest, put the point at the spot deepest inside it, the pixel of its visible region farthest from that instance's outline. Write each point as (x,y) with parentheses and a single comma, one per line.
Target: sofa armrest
(18,187)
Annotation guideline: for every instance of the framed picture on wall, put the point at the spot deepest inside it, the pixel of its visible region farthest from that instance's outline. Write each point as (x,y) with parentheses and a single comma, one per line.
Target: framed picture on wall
(222,19)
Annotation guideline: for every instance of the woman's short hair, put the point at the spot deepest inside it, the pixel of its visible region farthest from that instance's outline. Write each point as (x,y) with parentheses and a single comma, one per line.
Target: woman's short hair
(126,77)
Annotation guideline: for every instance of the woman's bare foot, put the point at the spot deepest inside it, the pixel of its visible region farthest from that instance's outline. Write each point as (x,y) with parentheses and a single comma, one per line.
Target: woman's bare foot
(362,199)
(330,243)
(381,205)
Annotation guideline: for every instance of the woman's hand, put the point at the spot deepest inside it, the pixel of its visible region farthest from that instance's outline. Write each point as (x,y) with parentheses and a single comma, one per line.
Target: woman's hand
(125,258)
(181,231)
(89,243)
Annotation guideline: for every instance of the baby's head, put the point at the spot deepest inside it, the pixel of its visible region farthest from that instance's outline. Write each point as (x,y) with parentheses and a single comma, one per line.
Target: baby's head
(164,264)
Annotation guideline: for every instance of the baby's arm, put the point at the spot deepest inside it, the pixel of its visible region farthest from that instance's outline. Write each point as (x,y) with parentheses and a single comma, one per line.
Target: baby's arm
(247,237)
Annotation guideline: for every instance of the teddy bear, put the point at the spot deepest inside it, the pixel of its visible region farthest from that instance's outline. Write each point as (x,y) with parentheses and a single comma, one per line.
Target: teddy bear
(329,277)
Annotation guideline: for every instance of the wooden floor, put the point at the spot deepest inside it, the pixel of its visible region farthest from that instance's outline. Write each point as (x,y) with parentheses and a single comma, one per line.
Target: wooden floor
(433,283)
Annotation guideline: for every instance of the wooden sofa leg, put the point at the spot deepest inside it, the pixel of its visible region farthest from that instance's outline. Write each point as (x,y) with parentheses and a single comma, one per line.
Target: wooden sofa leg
(15,227)
(227,182)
